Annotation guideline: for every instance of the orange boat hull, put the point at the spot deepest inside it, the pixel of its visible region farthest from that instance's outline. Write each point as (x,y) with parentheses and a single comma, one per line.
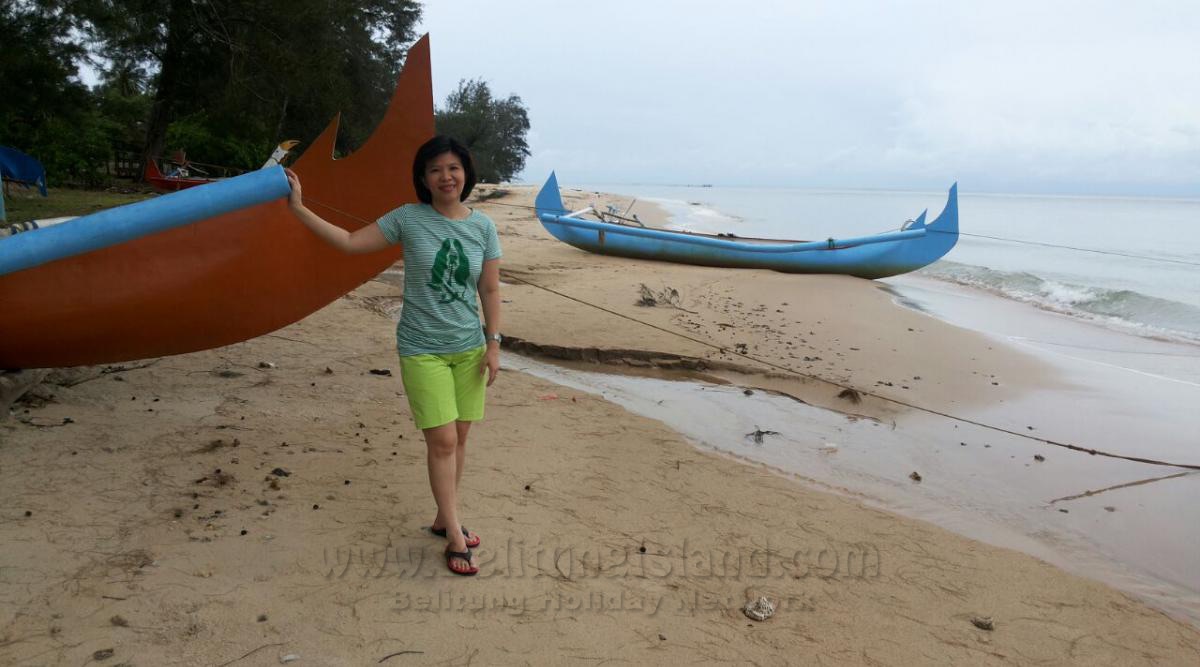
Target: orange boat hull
(225,279)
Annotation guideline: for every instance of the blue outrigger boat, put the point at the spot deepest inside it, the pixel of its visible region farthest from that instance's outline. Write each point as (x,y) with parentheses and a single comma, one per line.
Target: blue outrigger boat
(913,246)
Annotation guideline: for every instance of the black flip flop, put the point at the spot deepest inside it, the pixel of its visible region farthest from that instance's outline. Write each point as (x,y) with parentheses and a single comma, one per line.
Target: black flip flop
(441,532)
(462,555)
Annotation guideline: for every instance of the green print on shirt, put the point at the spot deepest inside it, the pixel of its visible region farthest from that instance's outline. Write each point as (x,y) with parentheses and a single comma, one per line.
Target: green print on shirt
(451,271)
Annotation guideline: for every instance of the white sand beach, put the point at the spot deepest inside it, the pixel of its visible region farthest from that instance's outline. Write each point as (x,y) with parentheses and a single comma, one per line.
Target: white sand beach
(269,499)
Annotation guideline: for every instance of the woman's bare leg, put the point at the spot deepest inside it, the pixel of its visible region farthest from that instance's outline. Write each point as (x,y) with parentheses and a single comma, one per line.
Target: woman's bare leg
(442,445)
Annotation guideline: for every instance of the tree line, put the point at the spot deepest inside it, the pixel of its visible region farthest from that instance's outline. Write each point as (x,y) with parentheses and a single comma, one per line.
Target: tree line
(224,80)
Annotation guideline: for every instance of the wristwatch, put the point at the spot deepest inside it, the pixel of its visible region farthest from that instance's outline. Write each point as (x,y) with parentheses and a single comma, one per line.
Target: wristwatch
(496,337)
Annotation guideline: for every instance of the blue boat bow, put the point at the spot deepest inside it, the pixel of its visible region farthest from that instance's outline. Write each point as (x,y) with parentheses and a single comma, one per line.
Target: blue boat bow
(915,245)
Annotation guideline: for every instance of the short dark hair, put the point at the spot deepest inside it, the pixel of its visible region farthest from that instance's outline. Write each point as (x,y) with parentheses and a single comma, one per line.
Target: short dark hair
(433,148)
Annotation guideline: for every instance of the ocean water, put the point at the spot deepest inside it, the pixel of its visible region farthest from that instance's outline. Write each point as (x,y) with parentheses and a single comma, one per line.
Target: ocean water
(1154,293)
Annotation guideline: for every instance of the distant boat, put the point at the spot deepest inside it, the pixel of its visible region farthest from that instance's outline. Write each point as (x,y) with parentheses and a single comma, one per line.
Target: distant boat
(180,177)
(909,248)
(127,290)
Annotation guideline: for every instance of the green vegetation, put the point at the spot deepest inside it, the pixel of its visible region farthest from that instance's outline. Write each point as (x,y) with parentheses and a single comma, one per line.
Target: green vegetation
(493,129)
(43,109)
(223,80)
(66,201)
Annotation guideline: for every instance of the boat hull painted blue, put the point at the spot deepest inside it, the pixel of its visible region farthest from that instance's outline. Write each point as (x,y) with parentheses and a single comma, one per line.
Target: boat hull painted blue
(876,256)
(125,223)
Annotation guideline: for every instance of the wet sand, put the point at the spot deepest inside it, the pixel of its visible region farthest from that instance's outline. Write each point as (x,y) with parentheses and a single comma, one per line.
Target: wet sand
(1066,381)
(206,509)
(1118,526)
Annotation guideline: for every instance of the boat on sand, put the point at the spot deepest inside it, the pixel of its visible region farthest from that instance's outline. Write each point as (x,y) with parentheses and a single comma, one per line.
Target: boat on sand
(914,245)
(223,278)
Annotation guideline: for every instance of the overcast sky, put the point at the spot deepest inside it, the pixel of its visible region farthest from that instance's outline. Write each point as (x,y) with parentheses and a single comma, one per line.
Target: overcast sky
(1054,96)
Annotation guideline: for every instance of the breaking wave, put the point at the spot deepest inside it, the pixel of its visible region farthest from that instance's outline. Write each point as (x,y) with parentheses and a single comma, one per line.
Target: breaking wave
(1124,309)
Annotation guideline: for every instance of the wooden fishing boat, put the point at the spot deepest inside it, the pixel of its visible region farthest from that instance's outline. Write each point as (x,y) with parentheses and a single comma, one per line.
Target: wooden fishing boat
(174,182)
(915,245)
(224,278)
(181,177)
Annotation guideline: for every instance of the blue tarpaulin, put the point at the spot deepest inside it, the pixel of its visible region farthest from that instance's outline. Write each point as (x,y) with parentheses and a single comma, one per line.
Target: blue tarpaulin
(19,167)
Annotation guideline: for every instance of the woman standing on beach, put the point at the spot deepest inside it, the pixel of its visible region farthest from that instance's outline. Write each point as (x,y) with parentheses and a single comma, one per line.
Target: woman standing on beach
(451,254)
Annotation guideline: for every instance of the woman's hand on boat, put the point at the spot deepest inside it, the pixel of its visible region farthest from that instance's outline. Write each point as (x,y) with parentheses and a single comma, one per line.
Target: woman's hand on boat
(491,362)
(295,198)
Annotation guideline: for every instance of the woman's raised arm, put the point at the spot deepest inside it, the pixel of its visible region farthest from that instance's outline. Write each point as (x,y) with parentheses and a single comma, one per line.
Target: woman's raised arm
(367,239)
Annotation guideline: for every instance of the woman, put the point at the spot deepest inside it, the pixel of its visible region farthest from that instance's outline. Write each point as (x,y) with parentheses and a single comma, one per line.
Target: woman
(451,254)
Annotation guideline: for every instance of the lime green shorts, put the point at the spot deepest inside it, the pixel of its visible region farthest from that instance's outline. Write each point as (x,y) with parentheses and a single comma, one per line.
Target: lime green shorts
(443,388)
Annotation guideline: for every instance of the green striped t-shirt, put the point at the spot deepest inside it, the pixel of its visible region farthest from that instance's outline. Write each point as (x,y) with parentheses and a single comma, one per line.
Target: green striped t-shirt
(442,262)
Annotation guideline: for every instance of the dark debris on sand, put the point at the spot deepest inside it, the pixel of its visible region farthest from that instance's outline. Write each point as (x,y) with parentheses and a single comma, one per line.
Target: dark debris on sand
(757,434)
(850,395)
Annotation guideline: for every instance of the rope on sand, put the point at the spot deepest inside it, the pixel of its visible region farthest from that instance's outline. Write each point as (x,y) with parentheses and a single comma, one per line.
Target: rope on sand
(792,371)
(896,401)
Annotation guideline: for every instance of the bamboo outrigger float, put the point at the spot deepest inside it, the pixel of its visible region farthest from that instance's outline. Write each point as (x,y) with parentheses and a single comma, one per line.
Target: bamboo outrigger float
(223,278)
(913,246)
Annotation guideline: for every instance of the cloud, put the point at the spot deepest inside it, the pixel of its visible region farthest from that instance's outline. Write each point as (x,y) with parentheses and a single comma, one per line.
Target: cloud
(1019,95)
